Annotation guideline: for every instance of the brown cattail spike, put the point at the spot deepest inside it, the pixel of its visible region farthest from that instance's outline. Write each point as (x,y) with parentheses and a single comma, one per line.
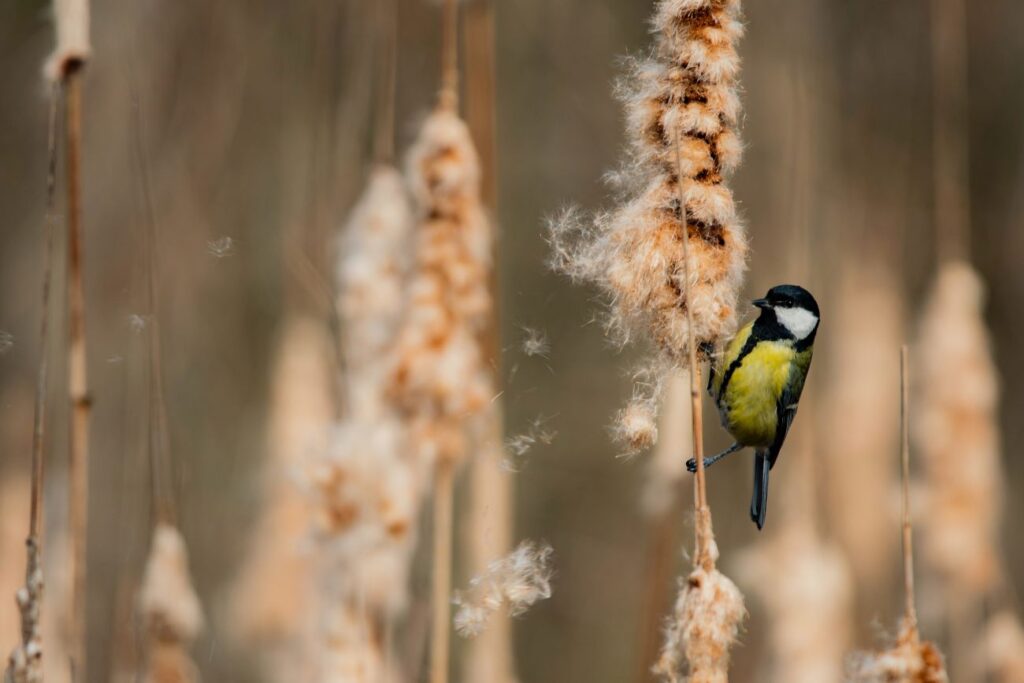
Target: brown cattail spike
(682,112)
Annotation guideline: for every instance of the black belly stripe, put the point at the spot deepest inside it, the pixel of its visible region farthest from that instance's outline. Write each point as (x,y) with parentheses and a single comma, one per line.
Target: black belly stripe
(748,346)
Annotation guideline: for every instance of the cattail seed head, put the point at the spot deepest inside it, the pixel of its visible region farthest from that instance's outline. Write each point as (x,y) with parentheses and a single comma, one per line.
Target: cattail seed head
(441,382)
(373,265)
(910,660)
(704,627)
(685,92)
(170,610)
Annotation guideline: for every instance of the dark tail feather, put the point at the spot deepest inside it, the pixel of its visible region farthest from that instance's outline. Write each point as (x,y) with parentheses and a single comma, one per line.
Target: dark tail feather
(759,501)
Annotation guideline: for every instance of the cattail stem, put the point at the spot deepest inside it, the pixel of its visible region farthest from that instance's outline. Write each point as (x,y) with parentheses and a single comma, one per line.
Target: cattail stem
(908,547)
(387,56)
(444,480)
(449,98)
(949,137)
(703,514)
(78,388)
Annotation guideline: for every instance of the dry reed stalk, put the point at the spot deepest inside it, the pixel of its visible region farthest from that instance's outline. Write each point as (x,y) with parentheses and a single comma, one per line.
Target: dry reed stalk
(277,622)
(169,610)
(25,664)
(66,66)
(709,608)
(910,660)
(634,253)
(489,520)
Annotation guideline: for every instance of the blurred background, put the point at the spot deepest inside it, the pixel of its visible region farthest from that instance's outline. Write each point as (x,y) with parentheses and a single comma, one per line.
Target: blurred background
(870,128)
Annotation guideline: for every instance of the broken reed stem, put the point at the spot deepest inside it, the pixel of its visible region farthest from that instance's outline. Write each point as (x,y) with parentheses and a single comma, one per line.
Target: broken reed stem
(449,97)
(78,388)
(26,662)
(908,547)
(700,501)
(444,479)
(42,378)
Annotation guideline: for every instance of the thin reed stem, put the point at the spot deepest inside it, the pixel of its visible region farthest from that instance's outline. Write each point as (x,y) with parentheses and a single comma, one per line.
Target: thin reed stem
(78,388)
(449,98)
(703,520)
(42,378)
(444,480)
(159,437)
(908,547)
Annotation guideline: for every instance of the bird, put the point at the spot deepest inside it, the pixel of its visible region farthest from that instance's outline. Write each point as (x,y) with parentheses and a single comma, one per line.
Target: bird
(757,381)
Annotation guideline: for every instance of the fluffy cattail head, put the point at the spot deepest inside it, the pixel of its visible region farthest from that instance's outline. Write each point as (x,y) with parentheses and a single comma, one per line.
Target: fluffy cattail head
(367,492)
(707,618)
(170,610)
(681,103)
(441,379)
(911,660)
(373,265)
(73,48)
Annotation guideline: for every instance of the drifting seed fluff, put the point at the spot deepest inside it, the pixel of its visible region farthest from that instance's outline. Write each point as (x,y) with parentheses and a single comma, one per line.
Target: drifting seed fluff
(807,590)
(704,627)
(910,660)
(373,265)
(514,582)
(441,379)
(956,423)
(535,342)
(634,253)
(170,610)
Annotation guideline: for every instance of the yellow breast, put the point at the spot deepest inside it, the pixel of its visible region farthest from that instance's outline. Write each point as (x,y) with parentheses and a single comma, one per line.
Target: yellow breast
(749,406)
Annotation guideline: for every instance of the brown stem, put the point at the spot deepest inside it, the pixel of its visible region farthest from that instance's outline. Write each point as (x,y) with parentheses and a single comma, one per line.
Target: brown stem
(908,547)
(949,129)
(704,535)
(159,437)
(78,388)
(444,477)
(449,98)
(384,138)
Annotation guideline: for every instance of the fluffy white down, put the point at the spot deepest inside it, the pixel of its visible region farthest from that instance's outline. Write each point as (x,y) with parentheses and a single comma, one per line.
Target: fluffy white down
(799,321)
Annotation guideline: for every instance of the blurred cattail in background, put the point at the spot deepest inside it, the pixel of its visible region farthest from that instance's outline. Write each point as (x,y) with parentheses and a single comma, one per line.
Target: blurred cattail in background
(277,622)
(957,436)
(910,659)
(170,611)
(858,414)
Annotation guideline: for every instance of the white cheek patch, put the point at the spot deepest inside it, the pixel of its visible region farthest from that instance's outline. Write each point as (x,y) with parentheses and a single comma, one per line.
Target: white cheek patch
(799,321)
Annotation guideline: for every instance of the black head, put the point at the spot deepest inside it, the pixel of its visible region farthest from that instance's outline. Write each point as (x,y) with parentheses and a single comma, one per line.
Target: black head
(789,296)
(791,311)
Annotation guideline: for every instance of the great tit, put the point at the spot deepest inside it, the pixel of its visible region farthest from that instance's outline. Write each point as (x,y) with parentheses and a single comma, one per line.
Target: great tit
(757,382)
